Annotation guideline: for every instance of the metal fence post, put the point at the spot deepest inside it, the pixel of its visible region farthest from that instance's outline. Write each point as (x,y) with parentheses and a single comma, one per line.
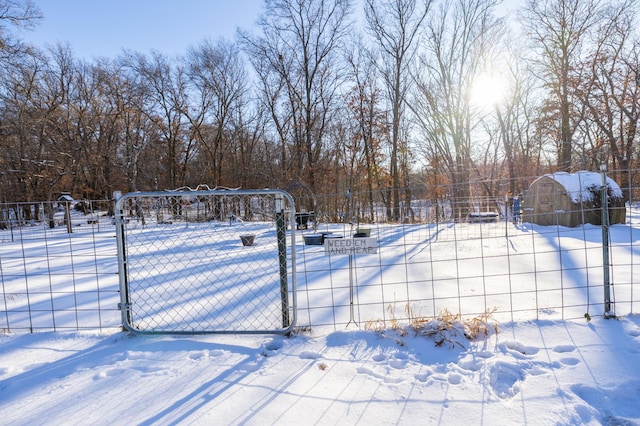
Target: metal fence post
(506,215)
(125,303)
(604,209)
(282,257)
(67,217)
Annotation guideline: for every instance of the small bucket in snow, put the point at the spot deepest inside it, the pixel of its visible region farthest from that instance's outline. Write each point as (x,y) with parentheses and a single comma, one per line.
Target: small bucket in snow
(313,239)
(247,240)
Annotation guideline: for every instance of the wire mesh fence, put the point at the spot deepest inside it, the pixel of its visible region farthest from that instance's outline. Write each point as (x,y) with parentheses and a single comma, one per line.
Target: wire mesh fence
(513,271)
(67,277)
(207,261)
(58,270)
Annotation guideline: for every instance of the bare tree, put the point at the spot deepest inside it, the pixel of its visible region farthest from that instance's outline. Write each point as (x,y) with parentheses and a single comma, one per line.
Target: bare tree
(516,114)
(23,112)
(458,40)
(16,15)
(558,30)
(396,25)
(295,58)
(271,94)
(55,138)
(165,99)
(369,127)
(121,131)
(611,93)
(218,88)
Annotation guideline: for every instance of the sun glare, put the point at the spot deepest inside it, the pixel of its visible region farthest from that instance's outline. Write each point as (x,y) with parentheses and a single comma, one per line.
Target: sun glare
(487,91)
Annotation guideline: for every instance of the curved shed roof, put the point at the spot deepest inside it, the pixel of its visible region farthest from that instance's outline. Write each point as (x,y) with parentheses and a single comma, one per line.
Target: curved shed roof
(578,184)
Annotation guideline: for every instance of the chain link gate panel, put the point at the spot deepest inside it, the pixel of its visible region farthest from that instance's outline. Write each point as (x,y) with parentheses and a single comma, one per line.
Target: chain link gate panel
(212,261)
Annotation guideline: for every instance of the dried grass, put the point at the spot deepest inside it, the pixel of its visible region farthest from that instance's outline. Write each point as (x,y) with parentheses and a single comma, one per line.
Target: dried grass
(446,328)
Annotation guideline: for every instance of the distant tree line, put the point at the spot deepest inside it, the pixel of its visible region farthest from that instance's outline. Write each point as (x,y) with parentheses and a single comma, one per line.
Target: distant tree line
(323,99)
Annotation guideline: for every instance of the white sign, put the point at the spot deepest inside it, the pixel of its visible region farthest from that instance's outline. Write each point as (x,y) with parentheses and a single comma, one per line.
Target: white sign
(350,246)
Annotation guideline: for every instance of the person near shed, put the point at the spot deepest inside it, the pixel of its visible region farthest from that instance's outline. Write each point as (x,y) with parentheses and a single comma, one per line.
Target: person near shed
(516,209)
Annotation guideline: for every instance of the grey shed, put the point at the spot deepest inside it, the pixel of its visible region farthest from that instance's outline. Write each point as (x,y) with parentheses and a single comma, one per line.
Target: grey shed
(571,199)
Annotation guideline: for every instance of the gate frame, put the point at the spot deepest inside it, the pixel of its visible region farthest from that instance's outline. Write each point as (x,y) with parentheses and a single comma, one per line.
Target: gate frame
(281,222)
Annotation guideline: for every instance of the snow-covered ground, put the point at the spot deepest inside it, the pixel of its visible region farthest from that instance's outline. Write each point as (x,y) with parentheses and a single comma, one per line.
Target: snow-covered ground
(537,372)
(531,371)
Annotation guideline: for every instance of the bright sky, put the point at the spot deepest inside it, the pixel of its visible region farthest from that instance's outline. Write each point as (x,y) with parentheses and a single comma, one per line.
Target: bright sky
(103,28)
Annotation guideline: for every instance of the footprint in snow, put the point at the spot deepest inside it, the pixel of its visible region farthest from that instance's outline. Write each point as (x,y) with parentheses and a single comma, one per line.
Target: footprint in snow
(505,379)
(569,361)
(146,371)
(197,356)
(514,346)
(398,364)
(271,348)
(397,360)
(422,377)
(471,365)
(455,378)
(384,377)
(634,332)
(310,355)
(274,345)
(564,348)
(216,353)
(379,357)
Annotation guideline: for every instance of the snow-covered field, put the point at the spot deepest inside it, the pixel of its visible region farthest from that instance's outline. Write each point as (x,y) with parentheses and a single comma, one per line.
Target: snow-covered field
(534,372)
(539,368)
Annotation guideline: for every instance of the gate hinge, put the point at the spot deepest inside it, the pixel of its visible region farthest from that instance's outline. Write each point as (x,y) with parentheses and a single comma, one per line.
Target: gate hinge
(124,306)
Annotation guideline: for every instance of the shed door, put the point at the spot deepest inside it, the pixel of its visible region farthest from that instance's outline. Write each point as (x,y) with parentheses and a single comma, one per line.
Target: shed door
(545,196)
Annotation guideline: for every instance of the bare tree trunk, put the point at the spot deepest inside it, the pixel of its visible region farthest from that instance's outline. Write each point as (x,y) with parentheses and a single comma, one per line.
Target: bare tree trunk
(297,54)
(459,39)
(396,26)
(558,29)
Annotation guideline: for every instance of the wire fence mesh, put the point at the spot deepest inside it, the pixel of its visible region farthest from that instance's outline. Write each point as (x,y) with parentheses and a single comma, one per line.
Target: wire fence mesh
(207,261)
(58,271)
(515,272)
(63,274)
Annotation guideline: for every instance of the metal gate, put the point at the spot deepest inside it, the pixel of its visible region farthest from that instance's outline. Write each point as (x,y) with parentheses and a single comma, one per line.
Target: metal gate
(207,261)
